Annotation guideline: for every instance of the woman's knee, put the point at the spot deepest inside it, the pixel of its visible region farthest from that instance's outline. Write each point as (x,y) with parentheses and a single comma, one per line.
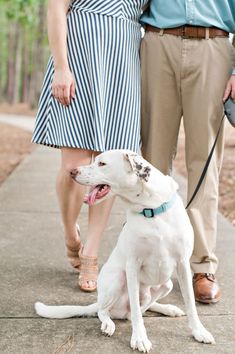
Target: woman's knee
(73,158)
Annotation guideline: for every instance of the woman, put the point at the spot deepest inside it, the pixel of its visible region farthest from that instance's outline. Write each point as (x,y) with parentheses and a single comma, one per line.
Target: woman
(90,102)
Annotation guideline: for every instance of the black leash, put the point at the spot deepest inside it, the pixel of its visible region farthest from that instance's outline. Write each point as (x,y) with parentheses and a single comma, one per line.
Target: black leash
(229,112)
(206,165)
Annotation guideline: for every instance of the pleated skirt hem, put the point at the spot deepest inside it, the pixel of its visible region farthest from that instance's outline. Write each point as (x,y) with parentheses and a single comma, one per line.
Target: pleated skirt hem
(96,149)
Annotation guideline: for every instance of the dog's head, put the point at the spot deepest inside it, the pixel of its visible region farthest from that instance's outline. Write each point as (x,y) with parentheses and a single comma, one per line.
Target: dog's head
(117,172)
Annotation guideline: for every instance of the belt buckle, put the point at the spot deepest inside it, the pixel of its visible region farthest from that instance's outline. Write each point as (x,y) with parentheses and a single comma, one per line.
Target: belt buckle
(183,33)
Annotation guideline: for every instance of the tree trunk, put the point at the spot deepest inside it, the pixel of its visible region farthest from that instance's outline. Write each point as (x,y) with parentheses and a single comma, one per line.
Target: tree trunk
(18,63)
(38,54)
(25,76)
(12,62)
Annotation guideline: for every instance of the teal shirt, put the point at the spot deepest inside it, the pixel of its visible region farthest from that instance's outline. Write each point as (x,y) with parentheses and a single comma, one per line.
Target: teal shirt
(206,13)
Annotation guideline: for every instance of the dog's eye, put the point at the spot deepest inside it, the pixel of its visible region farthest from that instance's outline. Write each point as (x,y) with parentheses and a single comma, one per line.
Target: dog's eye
(101,164)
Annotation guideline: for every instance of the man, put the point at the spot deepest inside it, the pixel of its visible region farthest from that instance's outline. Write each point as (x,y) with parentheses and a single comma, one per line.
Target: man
(186,60)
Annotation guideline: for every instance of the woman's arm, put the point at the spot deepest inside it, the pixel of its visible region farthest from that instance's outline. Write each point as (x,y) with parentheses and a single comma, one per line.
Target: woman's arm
(146,6)
(63,85)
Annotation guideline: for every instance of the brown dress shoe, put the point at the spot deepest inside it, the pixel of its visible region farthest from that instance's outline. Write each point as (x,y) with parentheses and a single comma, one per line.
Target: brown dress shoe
(206,288)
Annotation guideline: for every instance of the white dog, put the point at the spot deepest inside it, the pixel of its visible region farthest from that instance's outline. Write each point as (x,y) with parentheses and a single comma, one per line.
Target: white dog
(156,240)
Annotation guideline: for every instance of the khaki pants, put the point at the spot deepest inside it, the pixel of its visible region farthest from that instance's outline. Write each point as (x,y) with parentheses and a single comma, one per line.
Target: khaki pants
(187,77)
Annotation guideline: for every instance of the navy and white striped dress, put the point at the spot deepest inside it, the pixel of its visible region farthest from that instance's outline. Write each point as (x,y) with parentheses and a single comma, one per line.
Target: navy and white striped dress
(103,52)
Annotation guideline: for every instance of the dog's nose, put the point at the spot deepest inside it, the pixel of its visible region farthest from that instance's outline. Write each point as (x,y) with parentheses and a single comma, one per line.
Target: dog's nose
(74,172)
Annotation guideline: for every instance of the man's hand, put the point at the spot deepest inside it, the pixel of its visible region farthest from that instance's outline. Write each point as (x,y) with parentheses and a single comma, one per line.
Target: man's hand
(230,89)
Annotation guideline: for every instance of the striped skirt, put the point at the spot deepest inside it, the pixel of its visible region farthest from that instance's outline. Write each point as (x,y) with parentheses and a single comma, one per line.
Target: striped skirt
(103,54)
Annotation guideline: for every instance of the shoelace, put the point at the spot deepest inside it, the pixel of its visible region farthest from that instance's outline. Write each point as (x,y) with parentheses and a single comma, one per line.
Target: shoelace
(200,276)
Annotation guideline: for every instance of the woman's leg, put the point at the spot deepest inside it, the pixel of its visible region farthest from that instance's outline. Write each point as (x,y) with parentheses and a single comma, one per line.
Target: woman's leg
(98,217)
(71,194)
(97,221)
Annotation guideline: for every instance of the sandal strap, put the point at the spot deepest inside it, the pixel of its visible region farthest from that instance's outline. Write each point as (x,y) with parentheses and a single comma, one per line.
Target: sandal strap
(73,249)
(88,262)
(83,278)
(88,269)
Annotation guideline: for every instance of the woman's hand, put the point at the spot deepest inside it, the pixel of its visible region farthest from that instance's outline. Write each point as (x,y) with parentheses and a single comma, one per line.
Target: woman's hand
(63,86)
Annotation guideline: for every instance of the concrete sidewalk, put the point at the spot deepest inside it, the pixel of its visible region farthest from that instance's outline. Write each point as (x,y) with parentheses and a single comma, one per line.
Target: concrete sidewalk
(26,123)
(34,267)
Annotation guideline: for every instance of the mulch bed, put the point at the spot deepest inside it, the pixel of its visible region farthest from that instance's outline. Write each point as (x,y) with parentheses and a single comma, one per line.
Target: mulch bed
(15,144)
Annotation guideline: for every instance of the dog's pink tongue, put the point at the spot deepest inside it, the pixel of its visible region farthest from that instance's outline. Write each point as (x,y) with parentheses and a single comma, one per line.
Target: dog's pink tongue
(92,196)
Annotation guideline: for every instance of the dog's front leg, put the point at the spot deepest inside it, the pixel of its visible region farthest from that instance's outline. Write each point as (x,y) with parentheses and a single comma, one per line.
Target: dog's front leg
(139,339)
(185,281)
(107,326)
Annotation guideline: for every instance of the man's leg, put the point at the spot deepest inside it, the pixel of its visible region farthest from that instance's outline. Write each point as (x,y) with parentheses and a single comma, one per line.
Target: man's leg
(161,98)
(206,66)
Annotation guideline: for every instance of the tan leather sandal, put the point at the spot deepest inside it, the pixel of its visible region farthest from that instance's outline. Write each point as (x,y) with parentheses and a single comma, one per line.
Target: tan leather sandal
(73,253)
(88,272)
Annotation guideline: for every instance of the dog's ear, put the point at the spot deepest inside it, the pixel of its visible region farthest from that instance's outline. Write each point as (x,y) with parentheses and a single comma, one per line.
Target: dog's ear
(139,166)
(130,159)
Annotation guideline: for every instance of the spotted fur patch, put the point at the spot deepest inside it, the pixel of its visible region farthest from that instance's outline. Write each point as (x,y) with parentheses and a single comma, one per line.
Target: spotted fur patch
(137,164)
(143,172)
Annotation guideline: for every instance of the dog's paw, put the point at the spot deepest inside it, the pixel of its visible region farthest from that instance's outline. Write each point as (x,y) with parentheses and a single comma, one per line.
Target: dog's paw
(108,327)
(141,342)
(173,311)
(203,336)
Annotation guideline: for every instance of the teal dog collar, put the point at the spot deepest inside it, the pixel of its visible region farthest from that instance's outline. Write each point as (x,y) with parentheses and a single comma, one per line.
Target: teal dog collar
(150,213)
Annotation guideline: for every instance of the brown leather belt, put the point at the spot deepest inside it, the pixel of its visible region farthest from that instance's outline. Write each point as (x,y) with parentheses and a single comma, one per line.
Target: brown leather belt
(190,31)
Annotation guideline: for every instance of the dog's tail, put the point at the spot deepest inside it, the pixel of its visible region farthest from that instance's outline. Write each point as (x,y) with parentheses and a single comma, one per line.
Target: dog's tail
(65,311)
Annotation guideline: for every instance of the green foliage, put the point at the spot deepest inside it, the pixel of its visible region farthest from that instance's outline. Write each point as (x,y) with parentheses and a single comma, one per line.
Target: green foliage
(22,17)
(23,11)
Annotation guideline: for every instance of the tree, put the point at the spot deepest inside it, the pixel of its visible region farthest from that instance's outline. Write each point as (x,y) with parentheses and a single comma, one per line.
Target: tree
(23,47)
